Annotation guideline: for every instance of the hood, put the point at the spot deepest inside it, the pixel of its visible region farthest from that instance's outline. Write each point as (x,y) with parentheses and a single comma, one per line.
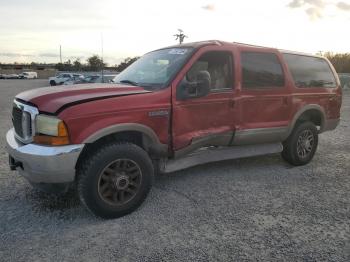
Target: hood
(52,99)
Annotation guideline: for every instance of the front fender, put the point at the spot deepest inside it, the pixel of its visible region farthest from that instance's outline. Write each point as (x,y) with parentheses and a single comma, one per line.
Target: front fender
(149,135)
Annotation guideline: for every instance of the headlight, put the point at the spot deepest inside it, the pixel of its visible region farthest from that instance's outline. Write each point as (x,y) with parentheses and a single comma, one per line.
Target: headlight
(50,130)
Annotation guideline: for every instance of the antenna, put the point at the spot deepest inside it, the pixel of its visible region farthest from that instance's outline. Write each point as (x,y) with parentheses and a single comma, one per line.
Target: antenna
(180,36)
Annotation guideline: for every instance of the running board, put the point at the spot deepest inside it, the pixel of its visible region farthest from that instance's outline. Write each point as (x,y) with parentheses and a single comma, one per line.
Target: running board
(214,154)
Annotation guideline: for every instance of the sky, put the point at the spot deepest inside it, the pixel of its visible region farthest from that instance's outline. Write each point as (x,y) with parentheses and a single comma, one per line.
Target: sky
(33,30)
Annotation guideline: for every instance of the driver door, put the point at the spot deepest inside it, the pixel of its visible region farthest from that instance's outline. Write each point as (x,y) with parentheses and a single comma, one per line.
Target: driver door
(209,120)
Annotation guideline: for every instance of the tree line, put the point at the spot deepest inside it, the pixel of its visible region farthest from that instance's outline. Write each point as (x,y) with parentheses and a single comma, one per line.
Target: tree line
(93,63)
(340,61)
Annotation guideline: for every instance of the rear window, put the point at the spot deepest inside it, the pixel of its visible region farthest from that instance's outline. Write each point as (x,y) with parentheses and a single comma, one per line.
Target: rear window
(261,70)
(308,71)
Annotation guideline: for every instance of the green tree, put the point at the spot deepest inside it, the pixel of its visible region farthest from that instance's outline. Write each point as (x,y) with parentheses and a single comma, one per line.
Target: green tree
(95,63)
(33,65)
(125,63)
(340,61)
(65,66)
(77,66)
(68,65)
(59,66)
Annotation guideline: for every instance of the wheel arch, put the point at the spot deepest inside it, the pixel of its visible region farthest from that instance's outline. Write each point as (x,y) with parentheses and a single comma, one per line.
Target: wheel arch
(314,113)
(141,135)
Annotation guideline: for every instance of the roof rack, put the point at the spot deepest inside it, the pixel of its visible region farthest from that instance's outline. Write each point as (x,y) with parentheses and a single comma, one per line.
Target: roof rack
(297,53)
(260,46)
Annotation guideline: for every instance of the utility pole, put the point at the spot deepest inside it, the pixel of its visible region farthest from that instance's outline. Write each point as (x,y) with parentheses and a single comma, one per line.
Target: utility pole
(60,54)
(180,36)
(102,57)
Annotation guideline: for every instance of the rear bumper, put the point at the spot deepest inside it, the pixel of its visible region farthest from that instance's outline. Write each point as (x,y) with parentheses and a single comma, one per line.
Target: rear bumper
(330,124)
(43,164)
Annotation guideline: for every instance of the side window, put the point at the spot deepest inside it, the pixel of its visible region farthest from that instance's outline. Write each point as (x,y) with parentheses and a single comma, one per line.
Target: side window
(261,70)
(219,66)
(309,71)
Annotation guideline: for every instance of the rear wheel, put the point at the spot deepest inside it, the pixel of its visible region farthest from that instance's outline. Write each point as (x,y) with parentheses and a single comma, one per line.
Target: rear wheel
(301,145)
(52,83)
(115,180)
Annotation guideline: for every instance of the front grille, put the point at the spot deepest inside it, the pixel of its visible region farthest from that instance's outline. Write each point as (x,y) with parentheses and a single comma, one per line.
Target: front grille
(22,121)
(17,120)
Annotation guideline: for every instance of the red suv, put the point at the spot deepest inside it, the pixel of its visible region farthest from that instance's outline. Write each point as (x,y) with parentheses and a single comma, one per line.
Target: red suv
(173,108)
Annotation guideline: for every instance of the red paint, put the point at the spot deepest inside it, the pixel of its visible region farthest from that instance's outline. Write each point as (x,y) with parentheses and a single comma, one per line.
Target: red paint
(50,99)
(235,109)
(85,119)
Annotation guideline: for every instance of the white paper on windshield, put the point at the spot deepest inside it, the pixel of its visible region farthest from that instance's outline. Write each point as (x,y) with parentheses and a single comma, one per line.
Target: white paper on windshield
(177,51)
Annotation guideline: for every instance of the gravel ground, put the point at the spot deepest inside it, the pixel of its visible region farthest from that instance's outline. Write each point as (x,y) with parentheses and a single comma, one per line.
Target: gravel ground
(244,210)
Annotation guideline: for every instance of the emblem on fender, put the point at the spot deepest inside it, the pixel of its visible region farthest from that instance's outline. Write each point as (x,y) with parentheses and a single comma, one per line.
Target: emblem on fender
(158,113)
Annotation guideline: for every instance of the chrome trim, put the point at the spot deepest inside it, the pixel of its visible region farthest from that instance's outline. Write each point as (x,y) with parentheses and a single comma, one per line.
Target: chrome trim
(33,111)
(44,164)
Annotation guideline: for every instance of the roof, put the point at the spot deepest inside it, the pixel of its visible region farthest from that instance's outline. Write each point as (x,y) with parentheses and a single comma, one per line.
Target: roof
(215,42)
(238,44)
(196,44)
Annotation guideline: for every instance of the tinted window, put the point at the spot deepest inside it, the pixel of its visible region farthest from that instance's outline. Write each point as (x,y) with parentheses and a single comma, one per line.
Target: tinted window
(261,70)
(219,66)
(308,71)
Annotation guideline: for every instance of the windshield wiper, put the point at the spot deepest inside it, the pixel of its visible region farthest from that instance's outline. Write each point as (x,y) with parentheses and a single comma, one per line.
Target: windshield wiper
(129,82)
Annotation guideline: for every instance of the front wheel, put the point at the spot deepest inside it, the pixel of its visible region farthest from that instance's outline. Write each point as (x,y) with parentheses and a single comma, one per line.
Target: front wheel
(301,145)
(115,180)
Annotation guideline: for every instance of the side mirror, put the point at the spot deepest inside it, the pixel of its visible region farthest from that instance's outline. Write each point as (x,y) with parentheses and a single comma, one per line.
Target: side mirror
(195,89)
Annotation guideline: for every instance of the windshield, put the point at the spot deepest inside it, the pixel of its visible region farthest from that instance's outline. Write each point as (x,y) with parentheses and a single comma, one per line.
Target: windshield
(155,69)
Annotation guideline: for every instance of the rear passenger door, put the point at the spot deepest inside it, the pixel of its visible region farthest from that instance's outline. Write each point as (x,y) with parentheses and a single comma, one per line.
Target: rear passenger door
(264,97)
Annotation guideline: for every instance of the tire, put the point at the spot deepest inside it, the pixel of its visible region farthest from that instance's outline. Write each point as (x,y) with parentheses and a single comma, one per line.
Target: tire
(115,180)
(52,83)
(296,150)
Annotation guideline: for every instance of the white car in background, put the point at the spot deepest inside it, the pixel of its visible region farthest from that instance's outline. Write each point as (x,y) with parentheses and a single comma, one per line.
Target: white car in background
(11,76)
(63,77)
(28,75)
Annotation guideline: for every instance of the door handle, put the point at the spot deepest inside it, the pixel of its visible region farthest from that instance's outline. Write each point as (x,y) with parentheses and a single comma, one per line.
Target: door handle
(285,101)
(232,103)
